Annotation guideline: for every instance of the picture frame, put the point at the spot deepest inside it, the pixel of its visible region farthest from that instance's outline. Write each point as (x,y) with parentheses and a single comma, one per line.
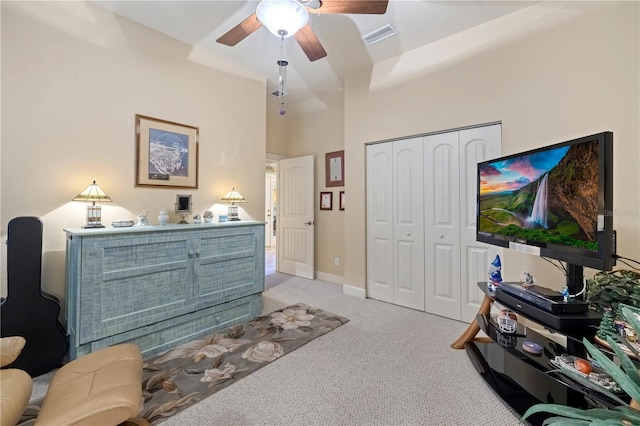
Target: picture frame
(184,207)
(166,153)
(326,201)
(334,168)
(341,200)
(183,203)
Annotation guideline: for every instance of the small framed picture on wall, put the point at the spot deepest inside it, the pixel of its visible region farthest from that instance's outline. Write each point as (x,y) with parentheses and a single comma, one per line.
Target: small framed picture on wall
(334,168)
(326,200)
(341,200)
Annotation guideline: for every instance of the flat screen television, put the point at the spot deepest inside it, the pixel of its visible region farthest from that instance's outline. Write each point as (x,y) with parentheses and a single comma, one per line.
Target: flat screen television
(554,201)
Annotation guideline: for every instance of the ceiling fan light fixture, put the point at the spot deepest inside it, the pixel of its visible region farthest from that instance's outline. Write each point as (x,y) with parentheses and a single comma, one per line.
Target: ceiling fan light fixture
(282,18)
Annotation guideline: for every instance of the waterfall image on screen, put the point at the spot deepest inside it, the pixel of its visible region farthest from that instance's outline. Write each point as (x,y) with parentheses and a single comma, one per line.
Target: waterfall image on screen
(548,196)
(539,210)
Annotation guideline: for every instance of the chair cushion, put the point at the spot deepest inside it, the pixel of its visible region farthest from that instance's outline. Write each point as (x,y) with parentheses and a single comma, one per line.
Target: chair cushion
(10,348)
(101,388)
(15,391)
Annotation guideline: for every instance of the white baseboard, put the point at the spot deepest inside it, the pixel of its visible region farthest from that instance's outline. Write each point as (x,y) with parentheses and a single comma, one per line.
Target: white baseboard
(330,278)
(358,292)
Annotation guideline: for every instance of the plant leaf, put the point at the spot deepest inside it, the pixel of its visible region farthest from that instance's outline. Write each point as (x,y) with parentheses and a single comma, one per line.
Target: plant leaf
(627,365)
(561,410)
(624,381)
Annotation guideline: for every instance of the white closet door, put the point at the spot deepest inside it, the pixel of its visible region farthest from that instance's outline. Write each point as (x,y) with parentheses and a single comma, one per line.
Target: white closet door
(408,231)
(380,266)
(476,145)
(442,224)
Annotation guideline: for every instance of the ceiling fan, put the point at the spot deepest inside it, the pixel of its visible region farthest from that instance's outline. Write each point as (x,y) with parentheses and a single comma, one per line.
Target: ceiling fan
(303,33)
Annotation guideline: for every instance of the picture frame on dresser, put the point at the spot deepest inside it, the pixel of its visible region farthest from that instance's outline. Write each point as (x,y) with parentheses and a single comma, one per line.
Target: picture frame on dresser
(166,153)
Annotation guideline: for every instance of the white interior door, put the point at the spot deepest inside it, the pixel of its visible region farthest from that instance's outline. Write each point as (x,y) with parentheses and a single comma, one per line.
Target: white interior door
(442,224)
(296,219)
(380,264)
(476,145)
(408,231)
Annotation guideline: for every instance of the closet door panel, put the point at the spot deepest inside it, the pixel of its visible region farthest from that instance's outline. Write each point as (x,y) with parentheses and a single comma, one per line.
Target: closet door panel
(442,222)
(380,267)
(476,145)
(408,231)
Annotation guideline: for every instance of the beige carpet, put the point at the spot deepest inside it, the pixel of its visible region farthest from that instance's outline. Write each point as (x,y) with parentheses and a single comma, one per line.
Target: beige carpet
(389,366)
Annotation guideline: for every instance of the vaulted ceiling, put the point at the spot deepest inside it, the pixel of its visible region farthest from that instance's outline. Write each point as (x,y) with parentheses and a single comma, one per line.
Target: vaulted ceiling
(418,23)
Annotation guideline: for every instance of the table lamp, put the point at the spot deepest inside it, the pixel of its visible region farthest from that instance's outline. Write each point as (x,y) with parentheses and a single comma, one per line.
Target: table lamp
(233,197)
(93,193)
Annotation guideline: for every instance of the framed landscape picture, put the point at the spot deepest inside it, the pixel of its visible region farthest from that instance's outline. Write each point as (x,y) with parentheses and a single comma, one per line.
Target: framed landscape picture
(166,153)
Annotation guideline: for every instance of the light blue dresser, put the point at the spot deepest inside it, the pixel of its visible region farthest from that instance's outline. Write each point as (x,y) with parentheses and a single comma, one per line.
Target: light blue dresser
(160,286)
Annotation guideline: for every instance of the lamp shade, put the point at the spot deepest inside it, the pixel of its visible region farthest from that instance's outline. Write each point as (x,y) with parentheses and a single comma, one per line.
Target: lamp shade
(93,193)
(282,17)
(233,196)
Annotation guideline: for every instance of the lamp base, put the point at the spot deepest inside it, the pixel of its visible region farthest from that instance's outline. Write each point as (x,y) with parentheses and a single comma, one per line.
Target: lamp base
(93,225)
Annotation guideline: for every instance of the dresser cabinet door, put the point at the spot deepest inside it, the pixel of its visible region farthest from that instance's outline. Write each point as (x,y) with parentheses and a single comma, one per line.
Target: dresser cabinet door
(230,263)
(128,281)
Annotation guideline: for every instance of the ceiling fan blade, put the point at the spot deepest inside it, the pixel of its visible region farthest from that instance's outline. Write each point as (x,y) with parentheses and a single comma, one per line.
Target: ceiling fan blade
(373,7)
(238,33)
(310,44)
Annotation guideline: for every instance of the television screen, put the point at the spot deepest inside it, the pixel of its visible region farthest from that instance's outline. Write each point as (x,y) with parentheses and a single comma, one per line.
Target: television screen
(554,198)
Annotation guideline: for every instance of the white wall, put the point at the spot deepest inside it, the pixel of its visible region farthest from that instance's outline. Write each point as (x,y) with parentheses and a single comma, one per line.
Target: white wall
(73,78)
(571,73)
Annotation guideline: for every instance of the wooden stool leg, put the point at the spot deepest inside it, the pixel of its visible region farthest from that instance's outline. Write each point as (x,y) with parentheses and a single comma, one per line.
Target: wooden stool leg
(474,328)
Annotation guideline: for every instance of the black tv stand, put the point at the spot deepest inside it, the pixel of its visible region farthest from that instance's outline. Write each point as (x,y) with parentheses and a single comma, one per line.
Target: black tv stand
(575,280)
(520,378)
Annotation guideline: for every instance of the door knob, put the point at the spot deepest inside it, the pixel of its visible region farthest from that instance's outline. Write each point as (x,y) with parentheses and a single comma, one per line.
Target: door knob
(309,223)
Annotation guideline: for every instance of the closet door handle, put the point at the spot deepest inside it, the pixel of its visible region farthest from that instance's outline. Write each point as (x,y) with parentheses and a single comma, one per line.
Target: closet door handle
(309,223)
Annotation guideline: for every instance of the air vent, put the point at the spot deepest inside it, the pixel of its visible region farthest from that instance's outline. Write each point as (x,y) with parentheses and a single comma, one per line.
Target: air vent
(379,34)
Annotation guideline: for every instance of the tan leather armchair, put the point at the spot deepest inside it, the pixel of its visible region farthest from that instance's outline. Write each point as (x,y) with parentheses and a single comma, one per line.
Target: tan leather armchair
(101,388)
(15,385)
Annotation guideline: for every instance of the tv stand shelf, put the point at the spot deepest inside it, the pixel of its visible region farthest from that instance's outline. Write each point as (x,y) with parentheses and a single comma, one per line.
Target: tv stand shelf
(521,379)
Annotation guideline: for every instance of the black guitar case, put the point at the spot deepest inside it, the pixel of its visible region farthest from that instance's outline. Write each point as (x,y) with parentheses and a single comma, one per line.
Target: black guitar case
(28,311)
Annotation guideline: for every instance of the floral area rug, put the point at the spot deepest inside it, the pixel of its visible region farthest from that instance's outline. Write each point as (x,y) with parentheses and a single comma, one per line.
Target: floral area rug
(180,377)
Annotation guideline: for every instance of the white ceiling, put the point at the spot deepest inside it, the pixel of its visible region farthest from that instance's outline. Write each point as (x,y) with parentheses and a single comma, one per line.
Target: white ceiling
(200,23)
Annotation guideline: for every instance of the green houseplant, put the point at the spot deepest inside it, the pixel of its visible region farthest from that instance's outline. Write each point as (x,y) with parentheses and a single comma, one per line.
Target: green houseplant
(626,375)
(606,290)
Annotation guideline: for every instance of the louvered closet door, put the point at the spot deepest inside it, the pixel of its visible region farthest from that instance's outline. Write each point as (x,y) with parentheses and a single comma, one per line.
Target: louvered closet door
(380,269)
(476,145)
(408,230)
(442,224)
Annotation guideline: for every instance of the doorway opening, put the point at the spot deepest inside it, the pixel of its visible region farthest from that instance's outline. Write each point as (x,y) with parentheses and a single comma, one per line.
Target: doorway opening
(271,217)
